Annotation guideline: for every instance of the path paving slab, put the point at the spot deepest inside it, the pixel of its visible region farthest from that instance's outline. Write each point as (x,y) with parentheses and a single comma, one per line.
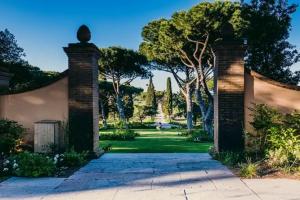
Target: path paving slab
(151,176)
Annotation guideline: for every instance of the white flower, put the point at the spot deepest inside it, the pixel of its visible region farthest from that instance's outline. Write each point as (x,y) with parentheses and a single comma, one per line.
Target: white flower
(56,156)
(15,165)
(6,162)
(5,169)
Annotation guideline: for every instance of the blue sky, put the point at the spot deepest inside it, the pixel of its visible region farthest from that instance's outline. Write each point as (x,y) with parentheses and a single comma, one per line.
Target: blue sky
(42,28)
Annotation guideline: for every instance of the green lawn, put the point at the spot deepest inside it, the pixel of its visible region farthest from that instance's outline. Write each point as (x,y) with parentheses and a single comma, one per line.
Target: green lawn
(154,141)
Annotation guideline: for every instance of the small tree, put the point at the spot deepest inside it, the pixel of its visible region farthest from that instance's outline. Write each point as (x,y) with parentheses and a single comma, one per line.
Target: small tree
(141,112)
(10,52)
(107,99)
(121,66)
(168,100)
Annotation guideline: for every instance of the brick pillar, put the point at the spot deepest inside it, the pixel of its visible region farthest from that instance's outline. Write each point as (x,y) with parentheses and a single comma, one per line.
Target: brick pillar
(83,93)
(229,93)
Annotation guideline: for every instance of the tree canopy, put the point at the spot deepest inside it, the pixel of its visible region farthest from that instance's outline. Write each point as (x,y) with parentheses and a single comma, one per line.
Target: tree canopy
(10,52)
(185,42)
(121,66)
(269,51)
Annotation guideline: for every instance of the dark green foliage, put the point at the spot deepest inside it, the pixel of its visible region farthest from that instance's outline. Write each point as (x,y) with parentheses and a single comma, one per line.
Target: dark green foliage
(168,99)
(107,147)
(34,165)
(10,133)
(292,120)
(150,101)
(10,52)
(121,63)
(229,158)
(276,141)
(121,66)
(26,77)
(180,104)
(140,125)
(119,134)
(265,119)
(269,51)
(107,96)
(128,106)
(72,159)
(149,111)
(141,112)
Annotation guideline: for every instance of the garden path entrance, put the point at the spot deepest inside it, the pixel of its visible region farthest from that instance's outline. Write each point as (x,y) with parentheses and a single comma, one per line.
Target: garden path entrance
(144,176)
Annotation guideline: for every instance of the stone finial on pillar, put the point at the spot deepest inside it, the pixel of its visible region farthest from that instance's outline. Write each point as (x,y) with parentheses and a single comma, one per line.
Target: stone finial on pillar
(229,93)
(83,93)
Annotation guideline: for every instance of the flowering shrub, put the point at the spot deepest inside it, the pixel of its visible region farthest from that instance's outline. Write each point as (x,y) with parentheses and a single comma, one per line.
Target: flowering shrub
(33,165)
(5,167)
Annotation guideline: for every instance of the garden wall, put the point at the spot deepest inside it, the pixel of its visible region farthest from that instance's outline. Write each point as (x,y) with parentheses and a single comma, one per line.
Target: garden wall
(46,103)
(262,90)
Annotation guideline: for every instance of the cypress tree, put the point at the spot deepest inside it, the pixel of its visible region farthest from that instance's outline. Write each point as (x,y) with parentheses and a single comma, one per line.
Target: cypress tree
(151,97)
(168,99)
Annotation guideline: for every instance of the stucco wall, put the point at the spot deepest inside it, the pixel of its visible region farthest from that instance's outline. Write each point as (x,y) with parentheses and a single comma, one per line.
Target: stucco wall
(46,103)
(261,90)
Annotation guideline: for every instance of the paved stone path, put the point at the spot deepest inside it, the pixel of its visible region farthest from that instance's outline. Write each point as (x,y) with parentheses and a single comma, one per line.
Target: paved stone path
(183,176)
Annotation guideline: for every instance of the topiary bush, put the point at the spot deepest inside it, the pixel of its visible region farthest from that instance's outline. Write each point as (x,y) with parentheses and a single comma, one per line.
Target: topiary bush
(10,134)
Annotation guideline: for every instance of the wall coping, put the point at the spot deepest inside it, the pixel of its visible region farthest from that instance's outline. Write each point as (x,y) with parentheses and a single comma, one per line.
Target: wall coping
(46,84)
(271,81)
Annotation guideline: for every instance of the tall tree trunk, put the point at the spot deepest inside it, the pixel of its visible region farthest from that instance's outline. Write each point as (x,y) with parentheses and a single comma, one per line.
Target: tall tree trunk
(121,110)
(103,114)
(189,107)
(206,111)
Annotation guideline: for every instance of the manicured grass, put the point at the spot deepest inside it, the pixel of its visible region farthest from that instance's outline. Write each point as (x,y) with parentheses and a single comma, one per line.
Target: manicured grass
(155,141)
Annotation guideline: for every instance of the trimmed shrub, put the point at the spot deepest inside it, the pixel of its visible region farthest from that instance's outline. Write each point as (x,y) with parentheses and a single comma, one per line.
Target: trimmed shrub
(10,134)
(119,134)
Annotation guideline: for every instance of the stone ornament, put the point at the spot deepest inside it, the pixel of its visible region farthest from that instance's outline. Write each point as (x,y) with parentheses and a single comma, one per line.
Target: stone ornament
(84,34)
